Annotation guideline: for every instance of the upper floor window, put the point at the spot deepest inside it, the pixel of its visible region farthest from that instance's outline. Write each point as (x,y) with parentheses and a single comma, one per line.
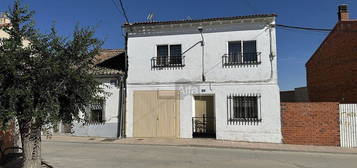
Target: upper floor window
(241,52)
(168,56)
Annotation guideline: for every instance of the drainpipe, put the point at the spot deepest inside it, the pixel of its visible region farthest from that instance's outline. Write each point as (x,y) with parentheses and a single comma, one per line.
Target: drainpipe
(124,90)
(200,29)
(120,107)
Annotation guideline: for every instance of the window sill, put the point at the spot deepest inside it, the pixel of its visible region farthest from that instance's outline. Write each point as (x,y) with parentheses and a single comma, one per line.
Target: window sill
(172,66)
(233,64)
(246,119)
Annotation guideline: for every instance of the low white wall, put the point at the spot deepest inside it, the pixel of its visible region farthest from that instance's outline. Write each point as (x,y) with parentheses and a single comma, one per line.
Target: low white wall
(268,130)
(108,130)
(110,127)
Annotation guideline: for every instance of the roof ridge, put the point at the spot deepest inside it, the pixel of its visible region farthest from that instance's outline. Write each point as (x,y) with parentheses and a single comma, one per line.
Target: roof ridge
(200,20)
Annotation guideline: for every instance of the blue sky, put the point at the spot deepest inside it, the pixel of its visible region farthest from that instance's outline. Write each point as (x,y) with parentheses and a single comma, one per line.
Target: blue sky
(294,46)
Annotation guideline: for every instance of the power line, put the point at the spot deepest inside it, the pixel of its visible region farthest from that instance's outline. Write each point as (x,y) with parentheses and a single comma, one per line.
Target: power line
(123,10)
(303,28)
(315,29)
(117,7)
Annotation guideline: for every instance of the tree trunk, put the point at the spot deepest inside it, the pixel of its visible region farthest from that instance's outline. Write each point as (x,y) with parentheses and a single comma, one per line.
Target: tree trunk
(31,144)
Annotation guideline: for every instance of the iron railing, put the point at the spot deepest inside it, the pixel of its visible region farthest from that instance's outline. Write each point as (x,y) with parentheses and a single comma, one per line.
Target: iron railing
(168,62)
(203,126)
(241,59)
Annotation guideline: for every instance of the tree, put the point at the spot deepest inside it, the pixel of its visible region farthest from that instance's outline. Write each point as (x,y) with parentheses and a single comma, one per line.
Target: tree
(45,80)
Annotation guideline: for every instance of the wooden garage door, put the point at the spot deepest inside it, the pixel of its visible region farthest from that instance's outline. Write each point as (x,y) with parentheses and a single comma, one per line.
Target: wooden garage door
(156,113)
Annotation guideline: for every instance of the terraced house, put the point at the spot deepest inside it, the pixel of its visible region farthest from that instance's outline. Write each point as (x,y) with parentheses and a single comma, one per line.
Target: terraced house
(213,77)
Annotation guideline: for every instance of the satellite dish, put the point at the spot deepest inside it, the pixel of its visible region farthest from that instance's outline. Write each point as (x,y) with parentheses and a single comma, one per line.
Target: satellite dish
(150,17)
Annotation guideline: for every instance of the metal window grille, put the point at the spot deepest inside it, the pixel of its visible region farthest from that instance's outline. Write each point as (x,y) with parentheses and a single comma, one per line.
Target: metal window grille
(243,109)
(96,112)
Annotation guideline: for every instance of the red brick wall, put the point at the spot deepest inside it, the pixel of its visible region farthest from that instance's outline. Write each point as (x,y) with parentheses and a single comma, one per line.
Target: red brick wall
(332,70)
(310,123)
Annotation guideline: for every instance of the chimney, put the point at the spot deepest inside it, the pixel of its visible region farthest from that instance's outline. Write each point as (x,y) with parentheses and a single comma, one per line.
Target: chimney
(343,13)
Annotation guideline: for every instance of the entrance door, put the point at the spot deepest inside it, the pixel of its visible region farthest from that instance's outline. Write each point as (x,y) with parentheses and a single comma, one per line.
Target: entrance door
(204,119)
(156,114)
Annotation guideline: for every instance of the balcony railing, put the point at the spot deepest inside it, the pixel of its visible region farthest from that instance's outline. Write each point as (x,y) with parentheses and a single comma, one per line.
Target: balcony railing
(167,62)
(241,59)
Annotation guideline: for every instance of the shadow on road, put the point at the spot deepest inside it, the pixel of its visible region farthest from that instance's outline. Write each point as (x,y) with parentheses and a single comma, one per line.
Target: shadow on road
(15,161)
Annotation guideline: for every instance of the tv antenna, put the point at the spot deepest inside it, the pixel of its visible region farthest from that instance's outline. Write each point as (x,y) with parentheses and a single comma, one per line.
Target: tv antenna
(150,17)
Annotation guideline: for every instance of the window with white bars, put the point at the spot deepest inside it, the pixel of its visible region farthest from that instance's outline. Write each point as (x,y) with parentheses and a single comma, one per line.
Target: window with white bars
(243,108)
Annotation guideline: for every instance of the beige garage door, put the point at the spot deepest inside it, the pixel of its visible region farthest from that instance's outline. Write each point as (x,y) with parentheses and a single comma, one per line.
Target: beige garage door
(156,113)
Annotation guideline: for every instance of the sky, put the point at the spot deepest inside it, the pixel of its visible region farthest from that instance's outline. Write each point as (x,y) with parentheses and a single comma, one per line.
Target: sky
(295,47)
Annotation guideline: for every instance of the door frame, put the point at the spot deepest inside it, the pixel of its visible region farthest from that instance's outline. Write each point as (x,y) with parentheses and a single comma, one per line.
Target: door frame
(214,113)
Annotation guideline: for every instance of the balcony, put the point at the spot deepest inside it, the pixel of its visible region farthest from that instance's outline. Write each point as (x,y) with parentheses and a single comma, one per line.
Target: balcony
(172,62)
(241,59)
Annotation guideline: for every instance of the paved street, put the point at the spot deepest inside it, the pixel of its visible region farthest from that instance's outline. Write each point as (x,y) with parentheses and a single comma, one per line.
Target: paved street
(93,155)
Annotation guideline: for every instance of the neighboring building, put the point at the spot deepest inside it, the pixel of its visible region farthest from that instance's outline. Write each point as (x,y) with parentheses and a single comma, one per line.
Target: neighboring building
(8,138)
(4,21)
(296,95)
(332,69)
(106,118)
(207,77)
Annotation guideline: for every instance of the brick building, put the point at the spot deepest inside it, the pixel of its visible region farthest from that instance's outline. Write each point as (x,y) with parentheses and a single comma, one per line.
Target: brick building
(332,69)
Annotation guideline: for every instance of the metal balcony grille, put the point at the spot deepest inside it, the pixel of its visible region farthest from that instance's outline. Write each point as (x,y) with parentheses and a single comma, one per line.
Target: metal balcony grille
(167,62)
(233,59)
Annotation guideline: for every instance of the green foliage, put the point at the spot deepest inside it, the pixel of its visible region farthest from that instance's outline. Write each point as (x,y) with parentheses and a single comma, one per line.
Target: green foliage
(45,78)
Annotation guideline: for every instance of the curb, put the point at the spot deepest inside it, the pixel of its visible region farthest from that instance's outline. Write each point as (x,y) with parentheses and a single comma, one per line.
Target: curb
(214,147)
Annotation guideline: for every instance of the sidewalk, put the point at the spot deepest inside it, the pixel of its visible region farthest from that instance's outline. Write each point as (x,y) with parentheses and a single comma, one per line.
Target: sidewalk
(210,143)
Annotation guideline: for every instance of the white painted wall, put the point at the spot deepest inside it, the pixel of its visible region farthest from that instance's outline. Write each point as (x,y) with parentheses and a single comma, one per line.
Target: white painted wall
(268,130)
(110,127)
(220,81)
(142,48)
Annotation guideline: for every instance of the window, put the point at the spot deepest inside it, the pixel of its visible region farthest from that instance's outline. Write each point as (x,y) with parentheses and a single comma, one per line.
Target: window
(234,54)
(162,54)
(175,54)
(250,51)
(168,56)
(96,112)
(243,108)
(241,52)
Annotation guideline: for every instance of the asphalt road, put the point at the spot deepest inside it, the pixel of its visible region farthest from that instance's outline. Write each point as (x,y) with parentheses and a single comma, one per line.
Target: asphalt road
(91,155)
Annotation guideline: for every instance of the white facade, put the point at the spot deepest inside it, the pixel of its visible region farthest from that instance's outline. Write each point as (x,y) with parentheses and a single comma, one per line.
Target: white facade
(110,116)
(220,81)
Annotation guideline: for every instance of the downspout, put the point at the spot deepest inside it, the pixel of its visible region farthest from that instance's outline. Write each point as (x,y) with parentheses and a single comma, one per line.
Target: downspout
(200,29)
(122,94)
(125,86)
(120,106)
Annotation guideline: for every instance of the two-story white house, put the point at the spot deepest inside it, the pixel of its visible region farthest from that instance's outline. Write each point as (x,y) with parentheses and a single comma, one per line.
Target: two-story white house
(213,77)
